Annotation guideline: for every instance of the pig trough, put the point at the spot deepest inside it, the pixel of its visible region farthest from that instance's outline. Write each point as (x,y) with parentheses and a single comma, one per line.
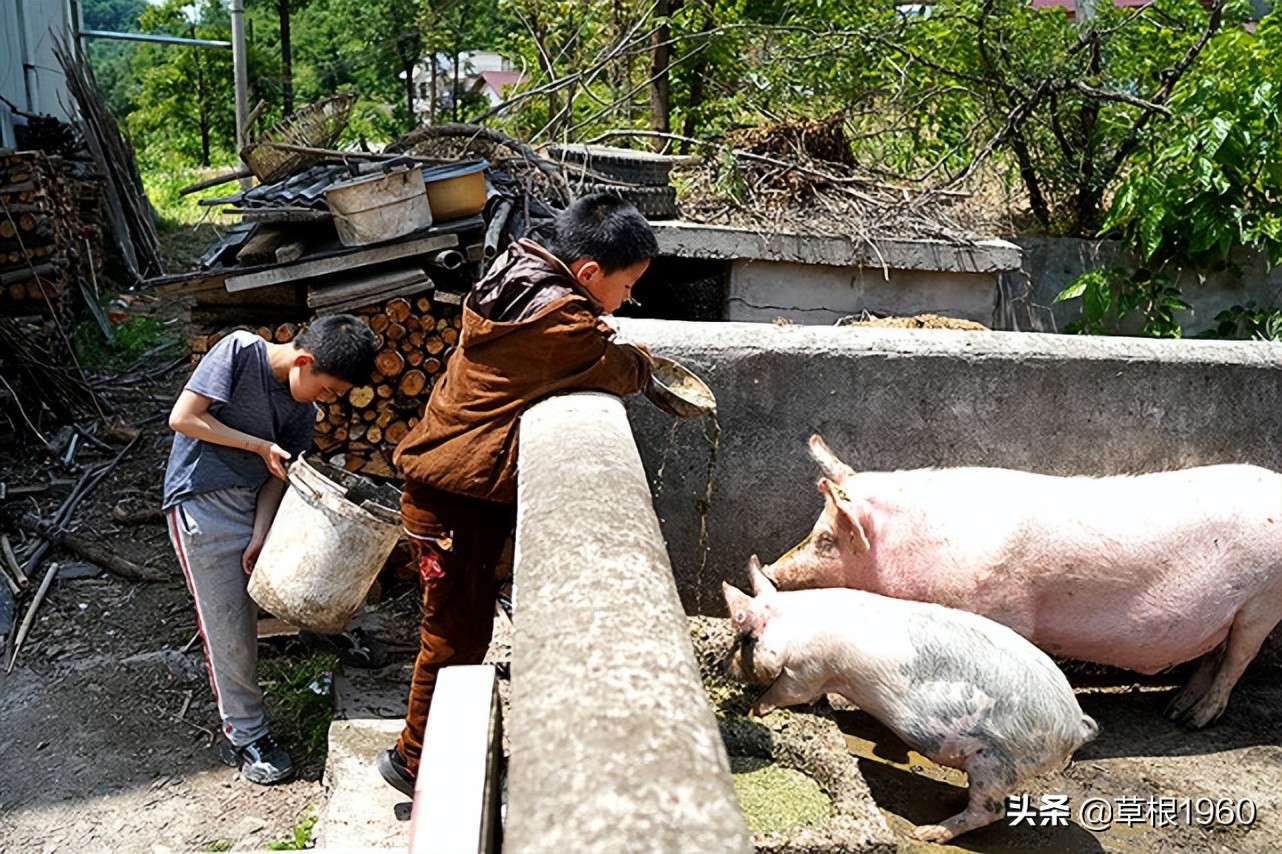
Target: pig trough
(614,745)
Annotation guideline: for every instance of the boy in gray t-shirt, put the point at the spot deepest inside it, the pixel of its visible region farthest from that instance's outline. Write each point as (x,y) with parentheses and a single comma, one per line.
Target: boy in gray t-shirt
(248,409)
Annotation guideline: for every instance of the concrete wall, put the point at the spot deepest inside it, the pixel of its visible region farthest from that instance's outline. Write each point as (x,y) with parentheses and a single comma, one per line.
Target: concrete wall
(614,746)
(1050,264)
(889,398)
(765,290)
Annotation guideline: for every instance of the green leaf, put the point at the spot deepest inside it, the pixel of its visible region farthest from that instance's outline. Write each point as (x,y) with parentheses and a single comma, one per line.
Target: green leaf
(1073,291)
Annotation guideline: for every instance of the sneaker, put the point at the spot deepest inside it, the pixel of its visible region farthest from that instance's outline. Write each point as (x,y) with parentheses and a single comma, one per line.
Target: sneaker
(262,761)
(395,771)
(353,647)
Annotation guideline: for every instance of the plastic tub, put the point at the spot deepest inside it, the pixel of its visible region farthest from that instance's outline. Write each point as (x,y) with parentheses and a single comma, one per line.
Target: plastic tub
(455,190)
(379,207)
(330,538)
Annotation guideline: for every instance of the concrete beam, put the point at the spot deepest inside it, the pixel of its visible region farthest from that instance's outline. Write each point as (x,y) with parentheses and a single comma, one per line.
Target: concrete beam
(456,800)
(697,240)
(613,744)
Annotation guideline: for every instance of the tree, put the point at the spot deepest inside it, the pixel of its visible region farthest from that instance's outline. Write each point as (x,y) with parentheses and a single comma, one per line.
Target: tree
(1210,178)
(284,10)
(454,28)
(182,103)
(1204,182)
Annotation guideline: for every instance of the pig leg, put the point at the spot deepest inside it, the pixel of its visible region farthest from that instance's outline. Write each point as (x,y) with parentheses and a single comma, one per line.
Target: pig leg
(987,802)
(1196,706)
(1199,681)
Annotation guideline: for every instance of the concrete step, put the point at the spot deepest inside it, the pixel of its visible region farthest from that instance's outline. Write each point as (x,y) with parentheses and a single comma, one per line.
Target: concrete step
(364,813)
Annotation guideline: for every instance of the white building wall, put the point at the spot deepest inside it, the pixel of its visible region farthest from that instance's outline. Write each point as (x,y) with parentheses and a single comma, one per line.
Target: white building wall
(30,75)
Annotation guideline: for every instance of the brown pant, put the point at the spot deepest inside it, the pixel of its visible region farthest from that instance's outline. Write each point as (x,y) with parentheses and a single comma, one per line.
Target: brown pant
(458,605)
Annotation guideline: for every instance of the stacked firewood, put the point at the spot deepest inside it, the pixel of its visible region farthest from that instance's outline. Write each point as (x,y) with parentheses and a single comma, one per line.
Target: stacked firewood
(414,335)
(51,231)
(361,429)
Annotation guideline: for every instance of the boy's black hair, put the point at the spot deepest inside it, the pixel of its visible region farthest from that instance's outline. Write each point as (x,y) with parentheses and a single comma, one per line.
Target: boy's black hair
(605,228)
(341,346)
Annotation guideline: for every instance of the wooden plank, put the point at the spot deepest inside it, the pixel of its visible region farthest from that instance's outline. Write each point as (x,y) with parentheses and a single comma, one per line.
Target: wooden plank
(285,295)
(187,283)
(261,248)
(279,214)
(338,263)
(274,627)
(368,287)
(14,189)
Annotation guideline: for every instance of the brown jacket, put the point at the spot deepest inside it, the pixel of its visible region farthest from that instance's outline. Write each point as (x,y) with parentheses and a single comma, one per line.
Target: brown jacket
(528,332)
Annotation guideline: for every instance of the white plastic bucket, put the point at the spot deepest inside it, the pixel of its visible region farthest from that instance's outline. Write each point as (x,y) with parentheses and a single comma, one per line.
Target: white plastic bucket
(379,207)
(331,536)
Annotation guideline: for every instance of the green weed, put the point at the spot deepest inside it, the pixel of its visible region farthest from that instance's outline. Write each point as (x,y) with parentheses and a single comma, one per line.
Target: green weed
(133,337)
(218,845)
(300,837)
(300,702)
(163,183)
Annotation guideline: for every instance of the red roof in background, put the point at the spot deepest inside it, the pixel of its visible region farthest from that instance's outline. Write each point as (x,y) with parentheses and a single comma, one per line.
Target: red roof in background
(496,80)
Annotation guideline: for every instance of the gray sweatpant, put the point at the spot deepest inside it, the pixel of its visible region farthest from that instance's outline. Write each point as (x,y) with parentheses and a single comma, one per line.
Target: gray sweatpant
(210,532)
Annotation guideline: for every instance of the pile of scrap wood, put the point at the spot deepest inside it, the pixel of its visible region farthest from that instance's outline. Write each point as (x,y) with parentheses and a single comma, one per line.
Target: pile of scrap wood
(286,262)
(802,175)
(131,216)
(366,425)
(407,289)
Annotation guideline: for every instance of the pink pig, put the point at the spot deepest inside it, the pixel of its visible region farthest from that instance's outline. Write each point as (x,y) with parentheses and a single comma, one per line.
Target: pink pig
(1141,572)
(961,689)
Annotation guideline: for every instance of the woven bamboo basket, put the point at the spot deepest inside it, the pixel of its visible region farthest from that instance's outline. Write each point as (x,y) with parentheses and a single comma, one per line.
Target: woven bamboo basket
(317,125)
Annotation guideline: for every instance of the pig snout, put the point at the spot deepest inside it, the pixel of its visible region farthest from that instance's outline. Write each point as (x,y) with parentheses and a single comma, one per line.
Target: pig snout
(744,665)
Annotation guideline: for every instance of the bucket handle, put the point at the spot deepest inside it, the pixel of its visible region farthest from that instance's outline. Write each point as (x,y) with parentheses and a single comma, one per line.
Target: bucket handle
(296,476)
(313,496)
(305,490)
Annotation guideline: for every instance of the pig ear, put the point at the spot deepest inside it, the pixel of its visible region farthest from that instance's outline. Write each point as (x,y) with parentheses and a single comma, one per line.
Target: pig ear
(834,469)
(849,513)
(740,606)
(761,583)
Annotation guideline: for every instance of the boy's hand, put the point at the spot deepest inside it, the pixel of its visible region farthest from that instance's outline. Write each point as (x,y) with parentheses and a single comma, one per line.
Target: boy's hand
(252,551)
(275,457)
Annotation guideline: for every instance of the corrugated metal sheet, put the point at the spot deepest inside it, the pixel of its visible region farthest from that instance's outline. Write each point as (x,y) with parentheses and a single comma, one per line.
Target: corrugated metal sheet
(29,72)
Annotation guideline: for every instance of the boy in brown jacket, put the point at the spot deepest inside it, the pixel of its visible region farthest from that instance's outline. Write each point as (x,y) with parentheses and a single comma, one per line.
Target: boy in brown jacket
(531,328)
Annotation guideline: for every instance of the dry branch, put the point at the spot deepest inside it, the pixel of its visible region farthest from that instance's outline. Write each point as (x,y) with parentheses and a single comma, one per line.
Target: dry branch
(86,549)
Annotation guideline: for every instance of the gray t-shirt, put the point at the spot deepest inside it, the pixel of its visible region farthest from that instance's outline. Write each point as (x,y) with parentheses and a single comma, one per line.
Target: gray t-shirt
(235,375)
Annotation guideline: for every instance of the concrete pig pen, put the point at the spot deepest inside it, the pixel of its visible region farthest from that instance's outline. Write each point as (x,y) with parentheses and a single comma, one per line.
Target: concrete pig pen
(888,399)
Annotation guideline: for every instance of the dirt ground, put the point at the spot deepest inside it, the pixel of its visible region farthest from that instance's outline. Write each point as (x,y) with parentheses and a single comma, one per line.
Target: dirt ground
(107,723)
